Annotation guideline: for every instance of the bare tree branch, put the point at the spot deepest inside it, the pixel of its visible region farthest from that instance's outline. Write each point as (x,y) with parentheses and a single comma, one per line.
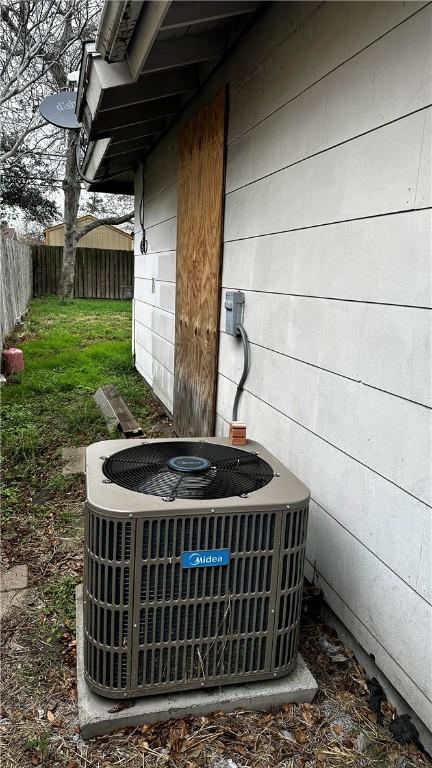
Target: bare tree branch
(100,222)
(19,140)
(40,44)
(32,49)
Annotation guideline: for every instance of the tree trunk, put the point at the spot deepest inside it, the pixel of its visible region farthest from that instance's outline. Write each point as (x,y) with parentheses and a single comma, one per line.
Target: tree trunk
(72,190)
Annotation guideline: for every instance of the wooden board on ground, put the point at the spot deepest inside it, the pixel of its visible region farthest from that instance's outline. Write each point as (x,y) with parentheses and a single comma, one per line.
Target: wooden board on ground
(116,412)
(200,189)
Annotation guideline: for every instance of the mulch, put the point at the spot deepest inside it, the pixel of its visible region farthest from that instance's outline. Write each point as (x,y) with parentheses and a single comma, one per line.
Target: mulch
(39,725)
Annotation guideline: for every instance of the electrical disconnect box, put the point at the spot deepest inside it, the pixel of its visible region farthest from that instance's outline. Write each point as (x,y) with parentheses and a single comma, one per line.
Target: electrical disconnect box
(234,303)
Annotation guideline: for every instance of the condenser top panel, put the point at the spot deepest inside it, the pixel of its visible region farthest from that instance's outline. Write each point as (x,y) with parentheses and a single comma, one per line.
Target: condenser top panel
(173,476)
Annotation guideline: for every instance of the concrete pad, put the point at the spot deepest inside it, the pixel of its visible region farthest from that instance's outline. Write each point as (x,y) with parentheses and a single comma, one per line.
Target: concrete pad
(14,578)
(9,601)
(95,718)
(75,461)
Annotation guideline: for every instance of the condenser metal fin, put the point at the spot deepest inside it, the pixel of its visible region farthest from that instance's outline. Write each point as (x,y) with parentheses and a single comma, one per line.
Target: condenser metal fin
(204,591)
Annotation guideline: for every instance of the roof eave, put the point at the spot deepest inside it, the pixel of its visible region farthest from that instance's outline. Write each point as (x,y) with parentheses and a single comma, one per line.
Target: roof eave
(145,72)
(116,27)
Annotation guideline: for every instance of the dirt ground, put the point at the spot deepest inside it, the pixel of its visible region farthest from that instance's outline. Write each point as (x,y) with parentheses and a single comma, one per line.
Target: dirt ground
(39,725)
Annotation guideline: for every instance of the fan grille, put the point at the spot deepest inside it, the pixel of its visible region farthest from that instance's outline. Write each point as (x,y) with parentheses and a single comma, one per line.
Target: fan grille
(147,469)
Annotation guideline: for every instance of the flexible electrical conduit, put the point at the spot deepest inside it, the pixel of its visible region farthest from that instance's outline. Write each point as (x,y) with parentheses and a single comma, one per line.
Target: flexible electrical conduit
(243,378)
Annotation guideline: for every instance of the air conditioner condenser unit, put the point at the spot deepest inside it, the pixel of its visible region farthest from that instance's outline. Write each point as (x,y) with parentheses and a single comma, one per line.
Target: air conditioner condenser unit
(193,574)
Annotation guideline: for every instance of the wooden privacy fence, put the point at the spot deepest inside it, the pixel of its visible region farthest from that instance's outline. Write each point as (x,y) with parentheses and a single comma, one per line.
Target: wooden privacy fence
(99,273)
(15,283)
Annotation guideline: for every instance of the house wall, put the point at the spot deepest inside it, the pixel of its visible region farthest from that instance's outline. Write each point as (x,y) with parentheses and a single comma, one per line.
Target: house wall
(155,273)
(106,237)
(327,230)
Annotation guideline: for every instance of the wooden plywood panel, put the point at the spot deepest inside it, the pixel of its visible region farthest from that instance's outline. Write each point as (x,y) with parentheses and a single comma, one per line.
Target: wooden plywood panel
(200,189)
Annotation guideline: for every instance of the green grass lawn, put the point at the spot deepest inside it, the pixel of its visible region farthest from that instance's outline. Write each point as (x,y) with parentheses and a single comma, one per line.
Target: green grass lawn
(70,349)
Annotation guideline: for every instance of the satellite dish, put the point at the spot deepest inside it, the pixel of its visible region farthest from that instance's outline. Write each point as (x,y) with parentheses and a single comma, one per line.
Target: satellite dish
(59,109)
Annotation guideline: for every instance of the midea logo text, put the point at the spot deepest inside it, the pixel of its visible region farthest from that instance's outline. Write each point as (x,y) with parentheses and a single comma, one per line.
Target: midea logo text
(196,559)
(205,558)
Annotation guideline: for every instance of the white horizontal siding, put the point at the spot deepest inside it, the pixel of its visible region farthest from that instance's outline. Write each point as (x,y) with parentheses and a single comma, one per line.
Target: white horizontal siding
(157,376)
(388,521)
(353,339)
(155,272)
(396,615)
(363,632)
(332,35)
(424,574)
(161,321)
(144,362)
(161,207)
(156,345)
(330,406)
(161,166)
(156,293)
(351,181)
(424,181)
(163,384)
(382,524)
(276,26)
(160,266)
(383,262)
(391,76)
(160,237)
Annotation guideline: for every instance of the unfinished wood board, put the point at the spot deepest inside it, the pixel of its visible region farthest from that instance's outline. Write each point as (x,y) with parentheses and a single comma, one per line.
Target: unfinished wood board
(116,412)
(200,188)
